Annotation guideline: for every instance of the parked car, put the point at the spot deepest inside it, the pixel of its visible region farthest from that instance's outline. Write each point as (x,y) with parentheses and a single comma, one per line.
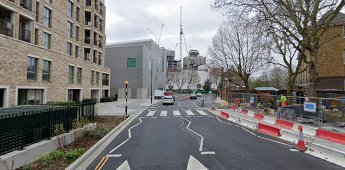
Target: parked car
(159,94)
(192,96)
(168,100)
(198,95)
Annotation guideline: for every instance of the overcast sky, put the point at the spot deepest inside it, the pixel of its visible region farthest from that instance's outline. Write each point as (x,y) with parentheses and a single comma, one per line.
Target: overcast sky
(130,19)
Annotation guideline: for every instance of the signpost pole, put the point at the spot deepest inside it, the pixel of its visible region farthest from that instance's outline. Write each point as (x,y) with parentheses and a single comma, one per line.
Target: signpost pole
(126,108)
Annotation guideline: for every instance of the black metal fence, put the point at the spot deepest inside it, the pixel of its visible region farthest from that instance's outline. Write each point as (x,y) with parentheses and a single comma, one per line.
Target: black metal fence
(18,130)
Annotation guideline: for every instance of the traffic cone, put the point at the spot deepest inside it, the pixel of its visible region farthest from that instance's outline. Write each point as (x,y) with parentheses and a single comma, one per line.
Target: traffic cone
(301,143)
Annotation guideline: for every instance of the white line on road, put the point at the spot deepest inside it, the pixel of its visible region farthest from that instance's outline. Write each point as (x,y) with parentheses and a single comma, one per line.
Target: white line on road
(176,113)
(164,113)
(190,113)
(208,153)
(254,133)
(201,137)
(119,145)
(114,155)
(202,112)
(154,117)
(151,113)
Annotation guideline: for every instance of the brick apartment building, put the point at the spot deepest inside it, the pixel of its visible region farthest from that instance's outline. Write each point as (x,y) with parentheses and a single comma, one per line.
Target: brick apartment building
(331,59)
(52,50)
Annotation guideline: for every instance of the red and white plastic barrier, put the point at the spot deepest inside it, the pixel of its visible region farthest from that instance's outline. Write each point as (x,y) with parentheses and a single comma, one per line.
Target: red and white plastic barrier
(269,129)
(331,136)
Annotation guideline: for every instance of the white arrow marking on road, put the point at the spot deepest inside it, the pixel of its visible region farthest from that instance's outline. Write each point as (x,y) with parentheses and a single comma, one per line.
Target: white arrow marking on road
(114,155)
(194,164)
(189,113)
(164,113)
(202,112)
(124,166)
(151,113)
(176,113)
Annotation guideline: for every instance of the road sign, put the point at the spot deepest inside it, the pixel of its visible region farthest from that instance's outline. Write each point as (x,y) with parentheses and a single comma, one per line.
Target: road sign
(252,100)
(310,107)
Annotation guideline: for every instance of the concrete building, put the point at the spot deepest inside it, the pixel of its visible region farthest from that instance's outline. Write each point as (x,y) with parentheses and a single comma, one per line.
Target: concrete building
(331,59)
(172,63)
(52,51)
(133,62)
(194,60)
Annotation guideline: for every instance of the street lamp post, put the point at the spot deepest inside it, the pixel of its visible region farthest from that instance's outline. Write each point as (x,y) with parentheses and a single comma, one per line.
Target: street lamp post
(151,78)
(126,108)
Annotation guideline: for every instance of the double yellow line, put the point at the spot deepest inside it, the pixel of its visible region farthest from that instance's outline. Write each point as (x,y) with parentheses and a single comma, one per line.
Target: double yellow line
(101,163)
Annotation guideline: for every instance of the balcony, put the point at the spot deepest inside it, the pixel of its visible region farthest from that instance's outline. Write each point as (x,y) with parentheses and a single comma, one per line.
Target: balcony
(27,4)
(87,54)
(6,28)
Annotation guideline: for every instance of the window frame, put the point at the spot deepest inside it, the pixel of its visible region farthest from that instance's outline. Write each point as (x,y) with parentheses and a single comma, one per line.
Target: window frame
(47,19)
(70,74)
(79,75)
(31,68)
(69,48)
(46,42)
(130,63)
(70,8)
(46,70)
(69,29)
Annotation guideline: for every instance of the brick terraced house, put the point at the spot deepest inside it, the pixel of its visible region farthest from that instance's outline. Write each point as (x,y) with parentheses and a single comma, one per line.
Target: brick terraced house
(52,50)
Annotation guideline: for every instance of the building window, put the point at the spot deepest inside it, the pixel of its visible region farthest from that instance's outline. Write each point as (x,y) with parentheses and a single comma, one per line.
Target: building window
(30,96)
(37,11)
(46,40)
(344,56)
(69,48)
(76,51)
(105,79)
(97,78)
(131,62)
(31,69)
(79,75)
(77,33)
(36,36)
(70,74)
(70,9)
(46,70)
(92,78)
(47,17)
(69,29)
(77,14)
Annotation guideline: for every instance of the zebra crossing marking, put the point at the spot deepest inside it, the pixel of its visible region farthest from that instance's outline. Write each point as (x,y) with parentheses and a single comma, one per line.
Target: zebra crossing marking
(151,113)
(176,113)
(164,113)
(202,112)
(189,113)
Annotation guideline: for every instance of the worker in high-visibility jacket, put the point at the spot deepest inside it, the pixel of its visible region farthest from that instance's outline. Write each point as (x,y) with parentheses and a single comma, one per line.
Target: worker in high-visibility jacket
(283,100)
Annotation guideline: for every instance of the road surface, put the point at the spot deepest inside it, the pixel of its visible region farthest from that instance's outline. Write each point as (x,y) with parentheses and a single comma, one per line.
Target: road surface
(187,136)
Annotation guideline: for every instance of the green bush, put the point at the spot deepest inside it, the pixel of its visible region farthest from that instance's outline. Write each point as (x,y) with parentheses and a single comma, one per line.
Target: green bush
(61,103)
(27,167)
(73,155)
(106,99)
(58,154)
(45,159)
(97,133)
(92,100)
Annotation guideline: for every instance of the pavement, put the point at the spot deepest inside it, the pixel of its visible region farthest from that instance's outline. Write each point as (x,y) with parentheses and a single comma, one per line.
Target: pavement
(187,136)
(117,108)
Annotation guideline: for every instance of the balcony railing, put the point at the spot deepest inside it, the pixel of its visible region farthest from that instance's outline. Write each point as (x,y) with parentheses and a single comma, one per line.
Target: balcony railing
(6,28)
(25,34)
(87,40)
(105,82)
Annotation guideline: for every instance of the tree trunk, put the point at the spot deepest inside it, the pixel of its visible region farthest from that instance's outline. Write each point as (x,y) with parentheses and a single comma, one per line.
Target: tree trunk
(246,84)
(313,75)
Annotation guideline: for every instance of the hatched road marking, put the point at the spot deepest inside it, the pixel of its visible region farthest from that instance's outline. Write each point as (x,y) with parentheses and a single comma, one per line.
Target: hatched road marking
(190,113)
(151,113)
(176,113)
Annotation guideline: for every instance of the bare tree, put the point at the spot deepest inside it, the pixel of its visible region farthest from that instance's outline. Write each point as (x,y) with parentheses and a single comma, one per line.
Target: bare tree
(181,79)
(237,44)
(277,77)
(171,78)
(215,74)
(192,77)
(304,23)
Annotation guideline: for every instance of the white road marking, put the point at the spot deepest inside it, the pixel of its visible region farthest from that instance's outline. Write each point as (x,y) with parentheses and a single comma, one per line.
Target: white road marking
(201,137)
(164,113)
(151,113)
(129,135)
(202,112)
(190,113)
(154,117)
(293,150)
(114,155)
(119,145)
(254,133)
(176,113)
(208,153)
(124,166)
(194,164)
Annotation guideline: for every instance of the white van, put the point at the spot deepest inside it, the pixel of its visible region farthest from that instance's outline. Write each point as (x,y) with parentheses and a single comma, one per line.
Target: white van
(159,94)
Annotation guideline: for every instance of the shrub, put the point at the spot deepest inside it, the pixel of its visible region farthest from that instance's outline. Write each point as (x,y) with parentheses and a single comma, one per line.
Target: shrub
(73,155)
(60,103)
(27,167)
(92,100)
(106,99)
(45,159)
(58,154)
(97,133)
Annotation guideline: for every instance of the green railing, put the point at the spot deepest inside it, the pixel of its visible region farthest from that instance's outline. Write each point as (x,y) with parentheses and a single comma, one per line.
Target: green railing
(18,130)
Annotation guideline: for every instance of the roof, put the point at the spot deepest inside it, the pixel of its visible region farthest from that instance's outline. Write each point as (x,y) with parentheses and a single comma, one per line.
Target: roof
(338,19)
(266,89)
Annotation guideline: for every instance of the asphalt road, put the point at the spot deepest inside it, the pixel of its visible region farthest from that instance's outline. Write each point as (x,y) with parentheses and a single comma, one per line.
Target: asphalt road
(187,136)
